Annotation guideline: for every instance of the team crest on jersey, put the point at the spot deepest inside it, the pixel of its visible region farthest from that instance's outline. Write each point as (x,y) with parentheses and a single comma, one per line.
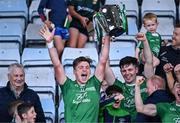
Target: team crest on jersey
(172,109)
(81,98)
(176,120)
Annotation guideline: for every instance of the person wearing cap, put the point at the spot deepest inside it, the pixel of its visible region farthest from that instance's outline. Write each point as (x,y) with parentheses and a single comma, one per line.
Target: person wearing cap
(110,110)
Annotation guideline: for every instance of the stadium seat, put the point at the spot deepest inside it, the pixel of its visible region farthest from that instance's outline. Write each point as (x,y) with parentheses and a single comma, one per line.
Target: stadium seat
(14,11)
(69,54)
(33,13)
(162,8)
(61,111)
(120,49)
(48,108)
(39,70)
(11,36)
(32,37)
(132,26)
(7,57)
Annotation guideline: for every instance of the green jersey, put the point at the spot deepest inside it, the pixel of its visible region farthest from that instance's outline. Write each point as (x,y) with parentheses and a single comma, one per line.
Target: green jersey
(154,40)
(128,103)
(169,112)
(113,115)
(81,103)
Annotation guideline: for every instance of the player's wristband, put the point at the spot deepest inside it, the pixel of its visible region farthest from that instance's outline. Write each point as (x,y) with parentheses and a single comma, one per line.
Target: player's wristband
(50,45)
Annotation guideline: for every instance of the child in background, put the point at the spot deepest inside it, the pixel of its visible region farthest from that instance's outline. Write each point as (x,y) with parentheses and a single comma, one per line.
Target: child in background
(13,111)
(110,110)
(150,24)
(27,113)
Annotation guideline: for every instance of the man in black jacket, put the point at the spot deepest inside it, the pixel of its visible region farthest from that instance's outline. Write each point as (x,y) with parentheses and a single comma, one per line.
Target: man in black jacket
(157,93)
(17,89)
(170,54)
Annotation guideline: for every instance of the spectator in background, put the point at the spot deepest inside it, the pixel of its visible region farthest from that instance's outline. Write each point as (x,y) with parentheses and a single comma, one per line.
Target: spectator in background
(157,93)
(110,110)
(129,69)
(56,17)
(81,97)
(17,89)
(170,54)
(13,111)
(82,12)
(26,112)
(168,68)
(150,23)
(168,112)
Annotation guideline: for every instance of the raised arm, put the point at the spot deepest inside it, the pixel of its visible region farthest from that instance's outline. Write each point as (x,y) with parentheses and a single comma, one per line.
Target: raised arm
(58,67)
(148,66)
(100,69)
(168,68)
(109,75)
(148,109)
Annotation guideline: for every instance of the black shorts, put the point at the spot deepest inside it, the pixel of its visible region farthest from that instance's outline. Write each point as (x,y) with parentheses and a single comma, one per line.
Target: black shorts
(77,24)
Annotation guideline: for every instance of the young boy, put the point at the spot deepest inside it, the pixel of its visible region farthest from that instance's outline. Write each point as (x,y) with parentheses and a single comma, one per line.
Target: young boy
(110,111)
(150,24)
(27,113)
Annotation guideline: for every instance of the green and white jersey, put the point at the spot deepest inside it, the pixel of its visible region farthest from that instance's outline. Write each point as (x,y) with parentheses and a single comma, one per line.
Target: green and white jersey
(81,102)
(86,7)
(169,112)
(128,103)
(154,40)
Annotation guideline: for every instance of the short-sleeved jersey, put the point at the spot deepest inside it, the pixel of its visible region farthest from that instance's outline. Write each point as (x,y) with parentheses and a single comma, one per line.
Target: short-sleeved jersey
(128,103)
(86,8)
(81,102)
(169,112)
(154,40)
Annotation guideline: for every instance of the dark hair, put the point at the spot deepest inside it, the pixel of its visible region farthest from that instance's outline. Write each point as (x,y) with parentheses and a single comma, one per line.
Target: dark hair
(81,59)
(113,89)
(177,25)
(24,108)
(127,61)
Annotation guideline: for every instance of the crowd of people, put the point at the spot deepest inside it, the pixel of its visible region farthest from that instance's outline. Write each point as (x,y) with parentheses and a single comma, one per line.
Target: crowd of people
(151,94)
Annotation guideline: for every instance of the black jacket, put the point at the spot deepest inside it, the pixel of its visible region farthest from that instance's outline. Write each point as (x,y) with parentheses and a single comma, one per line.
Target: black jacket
(156,97)
(7,96)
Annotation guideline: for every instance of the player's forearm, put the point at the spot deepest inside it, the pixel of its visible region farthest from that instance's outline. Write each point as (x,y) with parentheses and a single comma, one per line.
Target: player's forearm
(105,50)
(138,100)
(147,53)
(170,80)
